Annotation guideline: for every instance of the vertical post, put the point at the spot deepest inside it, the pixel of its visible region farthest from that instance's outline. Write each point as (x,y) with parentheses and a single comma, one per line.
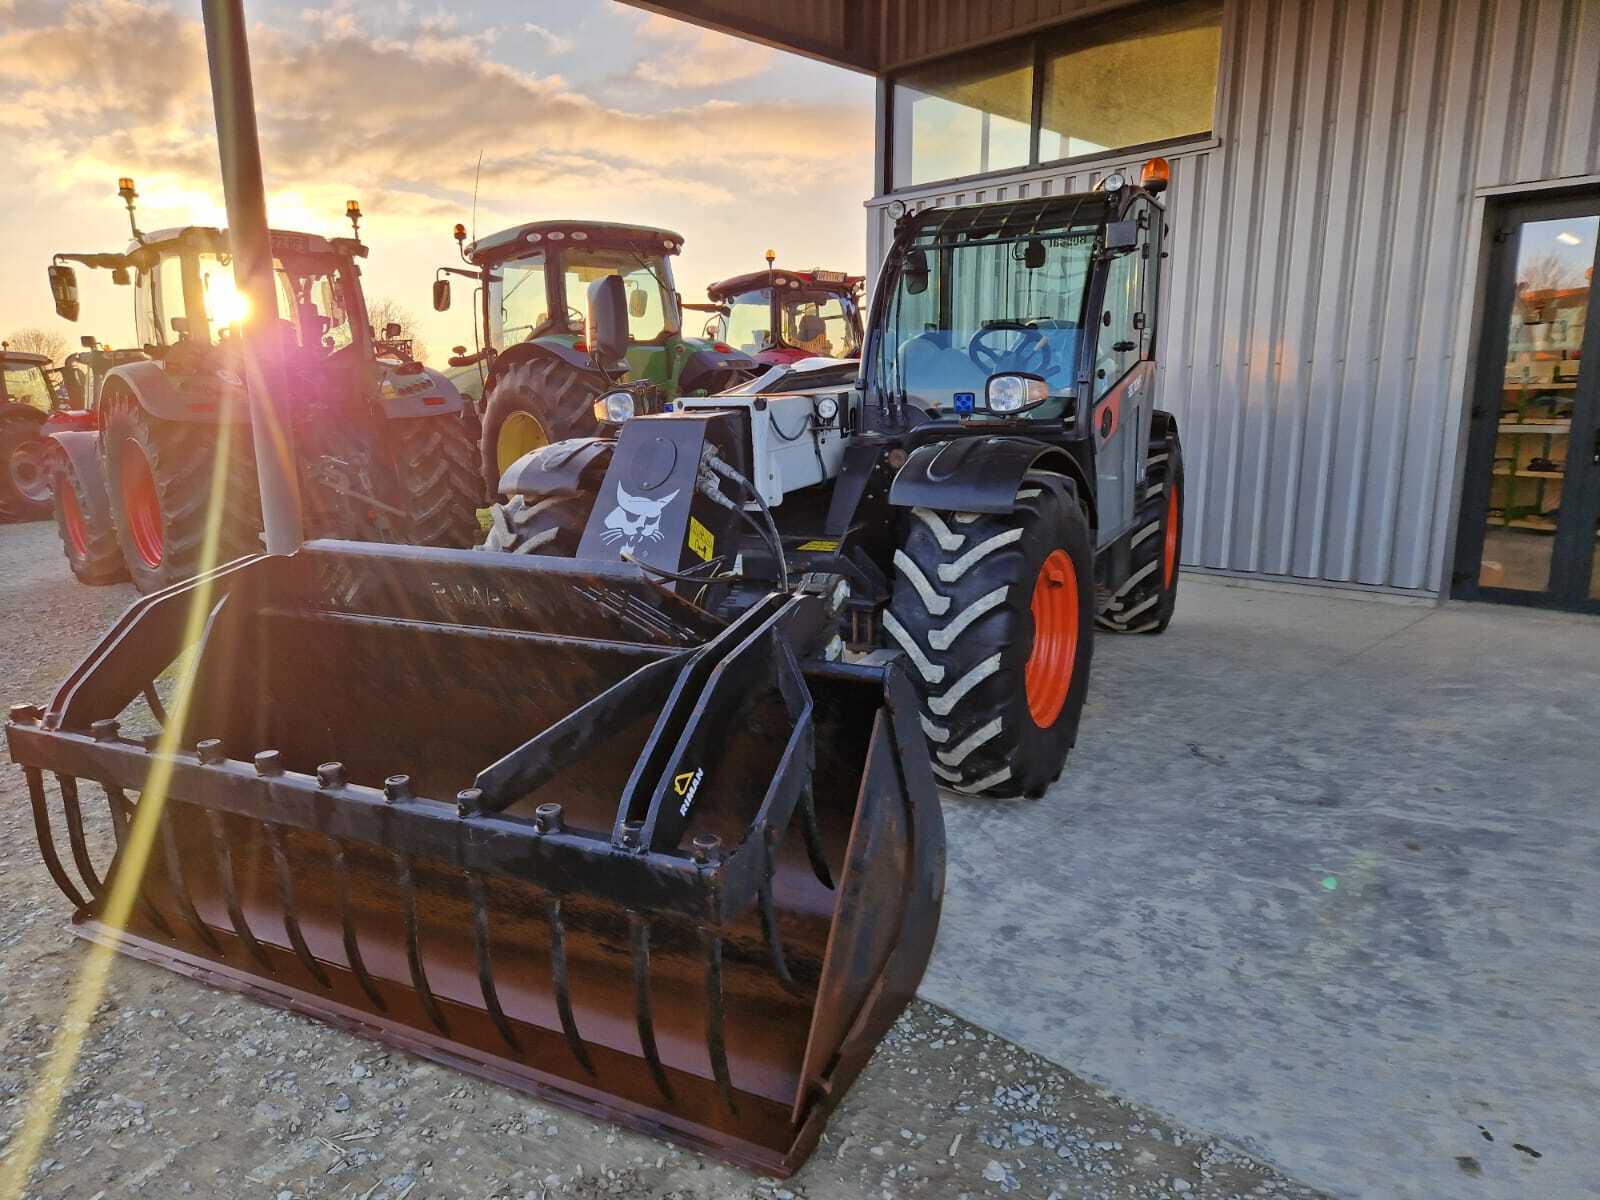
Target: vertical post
(233,98)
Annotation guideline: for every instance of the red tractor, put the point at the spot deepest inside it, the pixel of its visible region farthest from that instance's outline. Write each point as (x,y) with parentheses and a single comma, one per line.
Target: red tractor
(26,399)
(778,316)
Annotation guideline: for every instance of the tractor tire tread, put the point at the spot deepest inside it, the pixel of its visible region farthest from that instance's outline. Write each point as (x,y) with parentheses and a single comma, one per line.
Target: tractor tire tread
(551,389)
(1144,602)
(17,428)
(437,468)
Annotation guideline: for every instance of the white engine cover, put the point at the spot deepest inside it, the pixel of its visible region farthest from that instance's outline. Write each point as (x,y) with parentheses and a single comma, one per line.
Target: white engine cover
(786,441)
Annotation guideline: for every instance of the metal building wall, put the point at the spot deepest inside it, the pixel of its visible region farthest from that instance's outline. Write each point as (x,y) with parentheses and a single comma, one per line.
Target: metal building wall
(1324,264)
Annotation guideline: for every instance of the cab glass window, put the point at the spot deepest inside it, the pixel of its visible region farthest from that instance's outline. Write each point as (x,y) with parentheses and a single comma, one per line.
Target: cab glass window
(27,385)
(1118,347)
(518,307)
(652,314)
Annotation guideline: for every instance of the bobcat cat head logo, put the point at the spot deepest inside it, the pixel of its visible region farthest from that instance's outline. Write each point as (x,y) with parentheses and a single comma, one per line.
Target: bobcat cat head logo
(635,519)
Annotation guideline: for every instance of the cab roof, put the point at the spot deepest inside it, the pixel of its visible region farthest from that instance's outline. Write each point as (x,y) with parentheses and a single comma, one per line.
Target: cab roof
(535,235)
(22,358)
(830,281)
(141,252)
(1012,219)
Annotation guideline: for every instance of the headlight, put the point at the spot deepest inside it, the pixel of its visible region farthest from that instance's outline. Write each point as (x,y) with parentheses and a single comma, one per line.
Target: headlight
(1013,393)
(614,407)
(827,408)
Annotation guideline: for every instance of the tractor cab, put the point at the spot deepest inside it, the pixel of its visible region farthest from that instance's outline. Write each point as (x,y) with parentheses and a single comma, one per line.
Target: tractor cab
(542,375)
(24,380)
(782,316)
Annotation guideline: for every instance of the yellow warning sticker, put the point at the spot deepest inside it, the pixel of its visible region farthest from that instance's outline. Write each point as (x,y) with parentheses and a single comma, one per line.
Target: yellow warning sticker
(820,544)
(700,540)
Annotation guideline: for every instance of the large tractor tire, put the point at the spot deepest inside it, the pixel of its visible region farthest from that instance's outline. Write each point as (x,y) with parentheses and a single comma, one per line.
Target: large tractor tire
(24,485)
(995,614)
(436,467)
(1145,601)
(159,477)
(542,525)
(83,519)
(532,403)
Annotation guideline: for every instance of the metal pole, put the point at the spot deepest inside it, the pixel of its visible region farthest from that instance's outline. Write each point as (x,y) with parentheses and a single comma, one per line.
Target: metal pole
(233,98)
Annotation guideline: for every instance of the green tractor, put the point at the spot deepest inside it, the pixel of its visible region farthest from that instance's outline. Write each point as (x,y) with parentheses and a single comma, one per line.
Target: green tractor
(537,377)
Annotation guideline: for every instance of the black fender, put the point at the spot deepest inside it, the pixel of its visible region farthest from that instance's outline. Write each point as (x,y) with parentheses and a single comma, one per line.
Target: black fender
(707,368)
(202,399)
(556,469)
(82,449)
(524,351)
(417,391)
(981,473)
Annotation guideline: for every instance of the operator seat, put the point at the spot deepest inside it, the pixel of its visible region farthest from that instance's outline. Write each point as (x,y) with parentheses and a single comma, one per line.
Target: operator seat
(935,371)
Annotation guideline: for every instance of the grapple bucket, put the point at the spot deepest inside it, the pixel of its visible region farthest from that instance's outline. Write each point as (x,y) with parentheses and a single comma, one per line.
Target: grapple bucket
(539,819)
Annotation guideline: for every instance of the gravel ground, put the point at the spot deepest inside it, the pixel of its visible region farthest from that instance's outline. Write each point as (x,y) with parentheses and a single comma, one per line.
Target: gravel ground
(181,1090)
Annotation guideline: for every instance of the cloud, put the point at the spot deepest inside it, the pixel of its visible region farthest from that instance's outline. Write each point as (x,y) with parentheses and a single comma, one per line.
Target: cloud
(687,57)
(121,86)
(553,42)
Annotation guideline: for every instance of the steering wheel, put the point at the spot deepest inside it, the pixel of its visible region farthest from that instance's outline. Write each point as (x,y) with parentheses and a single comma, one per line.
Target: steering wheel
(1031,354)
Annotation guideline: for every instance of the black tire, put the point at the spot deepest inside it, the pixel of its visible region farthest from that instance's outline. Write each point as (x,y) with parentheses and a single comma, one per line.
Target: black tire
(436,467)
(83,520)
(962,611)
(556,394)
(1144,602)
(539,525)
(181,459)
(24,490)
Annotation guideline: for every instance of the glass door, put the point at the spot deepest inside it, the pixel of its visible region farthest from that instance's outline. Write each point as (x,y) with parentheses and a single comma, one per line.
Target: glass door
(1532,497)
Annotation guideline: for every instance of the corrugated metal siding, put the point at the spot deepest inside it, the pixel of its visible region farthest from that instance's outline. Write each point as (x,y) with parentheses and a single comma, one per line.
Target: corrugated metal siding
(919,29)
(1319,279)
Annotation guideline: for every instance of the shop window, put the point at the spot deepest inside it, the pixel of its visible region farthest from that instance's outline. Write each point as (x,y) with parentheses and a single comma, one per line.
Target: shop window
(965,116)
(1150,76)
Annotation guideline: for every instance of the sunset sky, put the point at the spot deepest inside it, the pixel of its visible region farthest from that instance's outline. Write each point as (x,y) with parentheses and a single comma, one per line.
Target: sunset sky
(579,107)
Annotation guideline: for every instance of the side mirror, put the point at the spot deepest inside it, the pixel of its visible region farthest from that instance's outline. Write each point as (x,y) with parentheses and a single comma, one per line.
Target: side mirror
(180,326)
(1033,254)
(1122,237)
(441,295)
(638,302)
(64,291)
(391,331)
(87,341)
(607,331)
(915,272)
(120,276)
(458,349)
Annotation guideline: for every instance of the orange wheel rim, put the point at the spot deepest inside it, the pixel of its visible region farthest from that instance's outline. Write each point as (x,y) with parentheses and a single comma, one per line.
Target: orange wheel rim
(1048,677)
(1169,551)
(72,518)
(142,504)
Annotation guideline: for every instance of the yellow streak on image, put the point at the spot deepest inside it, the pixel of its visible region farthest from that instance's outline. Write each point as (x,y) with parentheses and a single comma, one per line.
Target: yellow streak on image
(45,1099)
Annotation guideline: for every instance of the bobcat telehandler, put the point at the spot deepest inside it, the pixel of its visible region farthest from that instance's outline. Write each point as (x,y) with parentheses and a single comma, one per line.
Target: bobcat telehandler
(993,478)
(542,819)
(540,379)
(378,441)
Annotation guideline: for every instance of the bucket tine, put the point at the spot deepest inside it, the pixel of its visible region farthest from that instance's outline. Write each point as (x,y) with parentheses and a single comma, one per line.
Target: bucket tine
(47,845)
(291,922)
(558,979)
(117,801)
(180,885)
(419,976)
(230,894)
(80,848)
(480,937)
(641,1001)
(769,922)
(352,948)
(807,812)
(154,701)
(716,1046)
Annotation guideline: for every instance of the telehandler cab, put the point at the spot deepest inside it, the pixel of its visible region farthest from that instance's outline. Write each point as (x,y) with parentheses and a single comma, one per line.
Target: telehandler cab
(992,478)
(378,441)
(540,380)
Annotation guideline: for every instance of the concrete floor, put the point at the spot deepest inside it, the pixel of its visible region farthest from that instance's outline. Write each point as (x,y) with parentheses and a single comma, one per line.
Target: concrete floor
(1321,878)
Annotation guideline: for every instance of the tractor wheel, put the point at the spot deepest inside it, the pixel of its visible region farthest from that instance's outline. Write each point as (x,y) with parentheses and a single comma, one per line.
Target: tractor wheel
(552,525)
(24,486)
(160,477)
(83,519)
(995,614)
(1145,600)
(437,470)
(533,403)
